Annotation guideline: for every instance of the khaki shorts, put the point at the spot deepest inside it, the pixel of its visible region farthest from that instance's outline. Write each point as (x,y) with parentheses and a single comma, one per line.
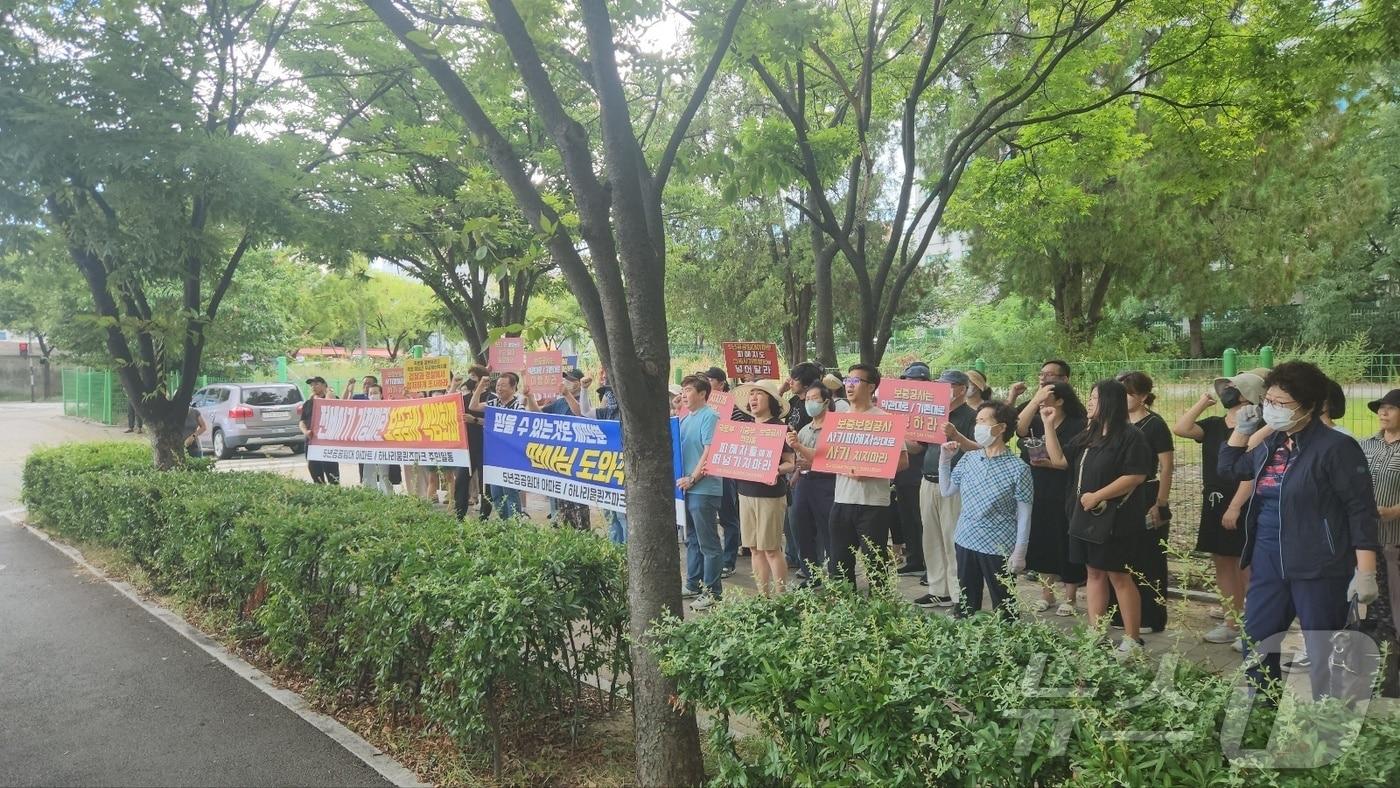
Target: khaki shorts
(761,522)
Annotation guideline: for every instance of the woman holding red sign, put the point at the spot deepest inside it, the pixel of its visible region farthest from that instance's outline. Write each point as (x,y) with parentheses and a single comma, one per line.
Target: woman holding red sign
(762,507)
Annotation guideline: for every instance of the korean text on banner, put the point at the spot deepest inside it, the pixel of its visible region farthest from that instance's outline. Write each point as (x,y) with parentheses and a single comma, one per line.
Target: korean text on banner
(544,370)
(507,354)
(923,404)
(427,374)
(565,457)
(746,451)
(722,403)
(391,383)
(860,444)
(752,360)
(430,431)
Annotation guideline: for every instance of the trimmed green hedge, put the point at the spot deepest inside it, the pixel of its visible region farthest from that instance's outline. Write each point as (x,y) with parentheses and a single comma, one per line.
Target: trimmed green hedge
(461,623)
(855,690)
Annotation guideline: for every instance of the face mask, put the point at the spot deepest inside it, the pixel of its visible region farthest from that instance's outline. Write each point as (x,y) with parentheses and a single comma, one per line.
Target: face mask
(983,435)
(1229,398)
(814,409)
(1279,419)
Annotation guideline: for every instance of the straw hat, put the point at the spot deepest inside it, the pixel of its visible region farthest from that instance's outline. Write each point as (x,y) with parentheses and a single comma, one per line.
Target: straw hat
(769,387)
(833,383)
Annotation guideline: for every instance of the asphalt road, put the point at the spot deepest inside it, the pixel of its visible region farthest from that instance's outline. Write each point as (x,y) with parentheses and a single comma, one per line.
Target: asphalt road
(96,691)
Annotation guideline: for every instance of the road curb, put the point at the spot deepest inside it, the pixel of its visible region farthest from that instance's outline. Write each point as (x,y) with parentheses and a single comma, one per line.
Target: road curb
(376,759)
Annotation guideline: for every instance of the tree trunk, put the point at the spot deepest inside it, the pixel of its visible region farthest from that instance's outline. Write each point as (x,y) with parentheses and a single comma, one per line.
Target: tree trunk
(1198,339)
(46,367)
(168,438)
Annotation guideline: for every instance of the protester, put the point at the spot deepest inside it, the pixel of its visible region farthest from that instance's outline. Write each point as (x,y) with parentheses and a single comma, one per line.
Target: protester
(573,400)
(860,514)
(505,501)
(763,507)
(1149,563)
(1048,554)
(476,440)
(800,378)
(608,409)
(1052,371)
(906,513)
(194,427)
(940,512)
(813,492)
(375,475)
(838,393)
(1382,452)
(977,390)
(994,519)
(1312,542)
(322,471)
(133,420)
(1107,464)
(704,553)
(729,500)
(1336,407)
(1223,501)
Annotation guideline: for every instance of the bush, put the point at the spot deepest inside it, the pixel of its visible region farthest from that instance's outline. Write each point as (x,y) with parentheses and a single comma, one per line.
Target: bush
(863,691)
(386,599)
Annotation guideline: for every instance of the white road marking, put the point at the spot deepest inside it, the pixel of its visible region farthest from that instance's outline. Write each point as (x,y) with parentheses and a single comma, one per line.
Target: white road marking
(372,756)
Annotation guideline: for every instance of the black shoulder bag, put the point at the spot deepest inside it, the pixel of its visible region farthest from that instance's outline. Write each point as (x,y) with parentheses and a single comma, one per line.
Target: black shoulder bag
(1095,525)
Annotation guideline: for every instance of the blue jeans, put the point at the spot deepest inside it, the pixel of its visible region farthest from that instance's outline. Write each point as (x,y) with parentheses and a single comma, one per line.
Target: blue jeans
(790,539)
(617,526)
(505,500)
(729,521)
(703,554)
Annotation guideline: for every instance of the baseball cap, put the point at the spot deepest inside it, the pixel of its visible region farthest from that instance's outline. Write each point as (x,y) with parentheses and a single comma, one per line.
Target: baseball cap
(955,377)
(317,379)
(1249,384)
(573,374)
(1391,398)
(917,370)
(714,373)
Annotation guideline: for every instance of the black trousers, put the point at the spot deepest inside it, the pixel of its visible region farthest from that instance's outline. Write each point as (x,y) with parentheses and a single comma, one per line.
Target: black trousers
(857,527)
(323,472)
(975,571)
(811,517)
(905,506)
(461,490)
(1148,568)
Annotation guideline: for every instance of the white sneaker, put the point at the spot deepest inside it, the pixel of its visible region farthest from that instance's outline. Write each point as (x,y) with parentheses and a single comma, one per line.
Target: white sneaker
(1223,633)
(1065,609)
(1129,649)
(1041,605)
(703,603)
(1238,646)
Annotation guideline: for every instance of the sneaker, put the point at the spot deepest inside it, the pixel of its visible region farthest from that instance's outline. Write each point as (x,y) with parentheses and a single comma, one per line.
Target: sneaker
(689,593)
(728,571)
(923,580)
(1223,633)
(1041,605)
(1300,661)
(1130,649)
(911,571)
(128,429)
(703,603)
(1065,609)
(931,601)
(1238,646)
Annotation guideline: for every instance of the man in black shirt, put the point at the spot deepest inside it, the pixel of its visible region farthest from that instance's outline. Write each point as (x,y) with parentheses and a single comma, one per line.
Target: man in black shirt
(322,472)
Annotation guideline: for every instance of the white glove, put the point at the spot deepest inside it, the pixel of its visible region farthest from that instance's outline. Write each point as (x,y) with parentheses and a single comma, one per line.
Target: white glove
(1363,587)
(1249,420)
(1017,561)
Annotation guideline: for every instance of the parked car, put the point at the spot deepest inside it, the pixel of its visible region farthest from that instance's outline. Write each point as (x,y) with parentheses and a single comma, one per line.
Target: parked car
(247,415)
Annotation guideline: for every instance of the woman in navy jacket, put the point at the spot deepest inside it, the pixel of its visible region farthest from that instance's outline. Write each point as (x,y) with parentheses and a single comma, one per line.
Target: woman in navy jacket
(1310,529)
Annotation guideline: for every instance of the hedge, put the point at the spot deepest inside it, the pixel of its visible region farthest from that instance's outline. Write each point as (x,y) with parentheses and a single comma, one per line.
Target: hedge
(461,624)
(854,690)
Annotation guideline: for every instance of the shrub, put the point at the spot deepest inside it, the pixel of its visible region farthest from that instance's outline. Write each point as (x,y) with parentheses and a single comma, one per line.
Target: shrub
(386,599)
(862,691)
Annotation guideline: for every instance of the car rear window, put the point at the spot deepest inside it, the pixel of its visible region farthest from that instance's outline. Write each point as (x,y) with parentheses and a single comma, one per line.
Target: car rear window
(264,396)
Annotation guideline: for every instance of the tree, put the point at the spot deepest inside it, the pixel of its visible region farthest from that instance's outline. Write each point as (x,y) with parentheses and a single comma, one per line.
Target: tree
(38,291)
(927,89)
(138,133)
(620,285)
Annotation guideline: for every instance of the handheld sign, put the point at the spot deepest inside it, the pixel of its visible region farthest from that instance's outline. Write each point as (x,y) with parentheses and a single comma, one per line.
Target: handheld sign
(427,374)
(923,404)
(746,451)
(543,371)
(751,361)
(429,431)
(507,354)
(860,444)
(391,383)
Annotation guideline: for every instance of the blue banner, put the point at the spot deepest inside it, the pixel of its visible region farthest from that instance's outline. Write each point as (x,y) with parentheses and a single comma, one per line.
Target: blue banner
(565,457)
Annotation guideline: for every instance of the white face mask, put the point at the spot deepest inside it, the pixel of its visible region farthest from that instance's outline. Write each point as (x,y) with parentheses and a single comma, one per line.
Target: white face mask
(1279,418)
(983,435)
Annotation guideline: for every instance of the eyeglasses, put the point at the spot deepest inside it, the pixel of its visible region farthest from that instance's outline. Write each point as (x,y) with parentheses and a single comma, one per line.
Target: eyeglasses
(854,381)
(1290,404)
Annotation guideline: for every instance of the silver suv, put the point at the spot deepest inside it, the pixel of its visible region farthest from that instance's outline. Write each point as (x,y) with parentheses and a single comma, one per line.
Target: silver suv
(249,414)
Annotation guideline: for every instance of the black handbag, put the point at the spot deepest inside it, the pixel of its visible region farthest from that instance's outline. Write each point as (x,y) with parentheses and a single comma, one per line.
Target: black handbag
(1095,525)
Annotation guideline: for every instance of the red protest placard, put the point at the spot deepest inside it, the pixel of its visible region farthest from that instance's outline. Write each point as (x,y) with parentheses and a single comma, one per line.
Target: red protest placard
(860,444)
(923,404)
(507,354)
(746,451)
(391,383)
(750,361)
(722,403)
(543,372)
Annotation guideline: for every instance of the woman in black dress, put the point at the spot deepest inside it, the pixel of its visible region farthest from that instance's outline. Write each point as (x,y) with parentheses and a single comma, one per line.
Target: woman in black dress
(1048,554)
(1222,501)
(1107,465)
(1149,565)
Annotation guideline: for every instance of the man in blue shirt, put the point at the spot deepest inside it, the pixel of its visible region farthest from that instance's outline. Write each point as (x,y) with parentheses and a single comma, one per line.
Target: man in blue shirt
(703,553)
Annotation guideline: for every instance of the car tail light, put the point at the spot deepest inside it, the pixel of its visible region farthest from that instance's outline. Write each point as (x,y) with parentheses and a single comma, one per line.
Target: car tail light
(238,412)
